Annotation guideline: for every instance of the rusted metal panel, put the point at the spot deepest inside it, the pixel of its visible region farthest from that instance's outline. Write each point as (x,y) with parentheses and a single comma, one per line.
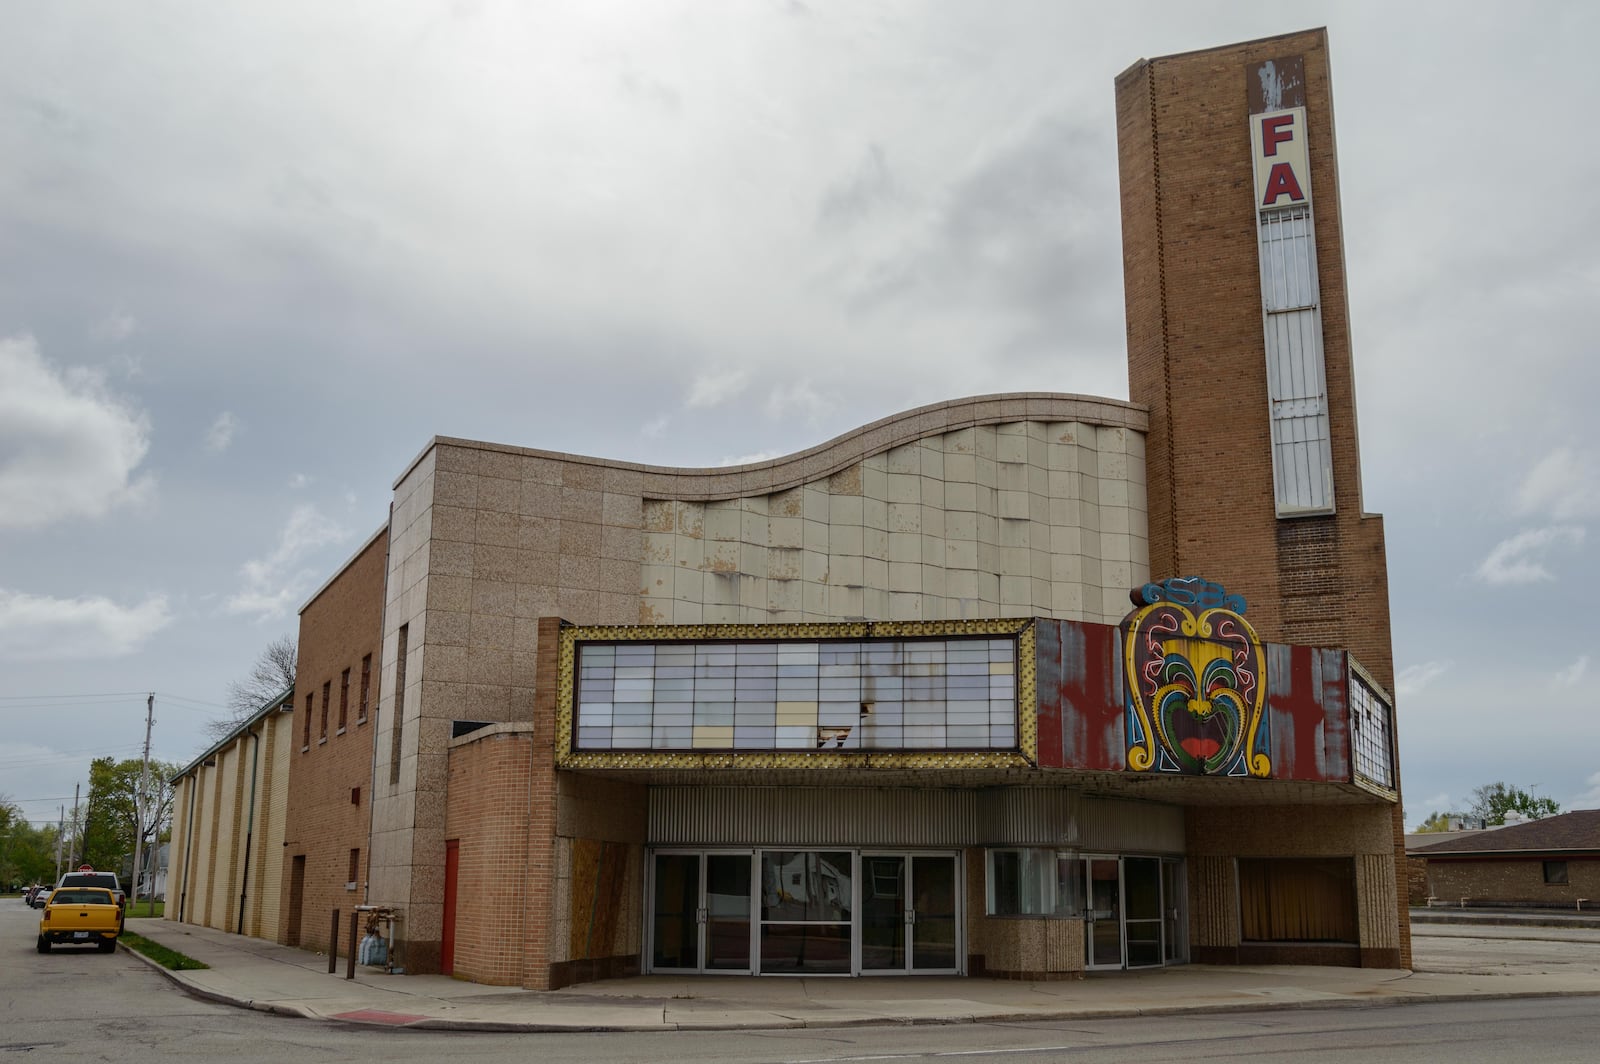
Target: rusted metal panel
(1275,84)
(1306,696)
(1080,693)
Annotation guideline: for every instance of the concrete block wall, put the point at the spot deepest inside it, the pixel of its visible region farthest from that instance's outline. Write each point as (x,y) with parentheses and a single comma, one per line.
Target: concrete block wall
(214,824)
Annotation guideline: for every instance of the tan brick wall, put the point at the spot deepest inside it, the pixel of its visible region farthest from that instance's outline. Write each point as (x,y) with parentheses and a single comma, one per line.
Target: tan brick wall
(488,817)
(1518,881)
(338,628)
(1196,358)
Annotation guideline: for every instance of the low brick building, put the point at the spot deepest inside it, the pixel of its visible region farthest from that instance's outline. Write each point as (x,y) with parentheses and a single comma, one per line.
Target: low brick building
(1548,863)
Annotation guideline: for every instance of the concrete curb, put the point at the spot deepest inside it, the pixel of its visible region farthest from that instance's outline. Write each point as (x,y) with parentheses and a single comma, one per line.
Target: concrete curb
(176,979)
(1052,1016)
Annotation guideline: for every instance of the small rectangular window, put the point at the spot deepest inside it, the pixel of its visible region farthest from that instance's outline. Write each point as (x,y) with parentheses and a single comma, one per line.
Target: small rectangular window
(344,698)
(305,733)
(366,689)
(355,869)
(355,795)
(327,688)
(1555,873)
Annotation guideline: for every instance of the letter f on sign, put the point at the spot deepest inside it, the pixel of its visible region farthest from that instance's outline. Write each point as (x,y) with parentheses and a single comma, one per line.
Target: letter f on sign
(1275,129)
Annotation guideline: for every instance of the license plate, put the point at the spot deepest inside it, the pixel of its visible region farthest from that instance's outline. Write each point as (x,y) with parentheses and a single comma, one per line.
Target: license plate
(80,934)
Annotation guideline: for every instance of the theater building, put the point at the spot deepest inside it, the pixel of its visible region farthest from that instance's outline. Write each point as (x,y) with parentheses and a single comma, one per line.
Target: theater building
(1029,685)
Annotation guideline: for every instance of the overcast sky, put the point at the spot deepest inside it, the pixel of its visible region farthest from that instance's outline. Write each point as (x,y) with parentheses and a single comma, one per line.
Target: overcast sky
(253,256)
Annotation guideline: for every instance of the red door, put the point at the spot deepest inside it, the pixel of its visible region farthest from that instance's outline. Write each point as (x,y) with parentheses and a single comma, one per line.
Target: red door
(447,935)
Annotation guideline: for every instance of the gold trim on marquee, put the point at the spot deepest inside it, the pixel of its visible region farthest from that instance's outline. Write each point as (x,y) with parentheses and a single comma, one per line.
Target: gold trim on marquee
(1027,756)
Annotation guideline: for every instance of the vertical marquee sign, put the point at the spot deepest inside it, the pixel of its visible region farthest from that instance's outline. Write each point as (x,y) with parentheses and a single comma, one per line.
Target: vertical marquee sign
(1302,453)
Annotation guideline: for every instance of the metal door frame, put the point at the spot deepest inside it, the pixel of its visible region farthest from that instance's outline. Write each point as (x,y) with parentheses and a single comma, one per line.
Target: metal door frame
(1089,920)
(958,861)
(701,907)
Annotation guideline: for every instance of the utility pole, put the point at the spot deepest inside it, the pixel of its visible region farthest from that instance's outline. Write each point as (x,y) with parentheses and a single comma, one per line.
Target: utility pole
(77,837)
(139,798)
(61,834)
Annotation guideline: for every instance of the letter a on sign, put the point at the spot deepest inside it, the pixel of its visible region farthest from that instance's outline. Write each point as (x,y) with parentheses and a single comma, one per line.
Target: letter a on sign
(1282,169)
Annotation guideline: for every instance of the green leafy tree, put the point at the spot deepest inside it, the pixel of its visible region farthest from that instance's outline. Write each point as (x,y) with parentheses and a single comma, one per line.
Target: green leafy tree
(27,853)
(1436,822)
(110,823)
(1493,801)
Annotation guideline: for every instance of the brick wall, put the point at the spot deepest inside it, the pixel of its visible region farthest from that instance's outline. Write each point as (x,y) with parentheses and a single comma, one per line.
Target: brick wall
(1218,835)
(338,628)
(1196,358)
(487,815)
(1513,881)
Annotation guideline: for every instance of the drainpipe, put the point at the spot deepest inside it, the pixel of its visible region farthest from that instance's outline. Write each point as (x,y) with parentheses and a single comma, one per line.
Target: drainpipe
(249,824)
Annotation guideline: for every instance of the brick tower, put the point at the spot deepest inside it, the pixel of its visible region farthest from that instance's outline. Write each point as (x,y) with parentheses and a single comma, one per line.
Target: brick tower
(1239,343)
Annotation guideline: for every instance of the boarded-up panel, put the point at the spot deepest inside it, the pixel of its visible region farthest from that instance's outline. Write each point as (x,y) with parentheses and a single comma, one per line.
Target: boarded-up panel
(599,874)
(1310,721)
(1080,694)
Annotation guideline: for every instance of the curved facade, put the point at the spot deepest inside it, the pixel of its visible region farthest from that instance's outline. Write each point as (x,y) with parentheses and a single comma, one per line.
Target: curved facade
(997,506)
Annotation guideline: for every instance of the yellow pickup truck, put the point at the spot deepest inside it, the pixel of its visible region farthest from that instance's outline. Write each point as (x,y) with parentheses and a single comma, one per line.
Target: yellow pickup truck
(80,916)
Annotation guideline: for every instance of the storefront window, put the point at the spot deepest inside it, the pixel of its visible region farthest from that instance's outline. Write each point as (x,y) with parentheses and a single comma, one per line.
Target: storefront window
(1034,882)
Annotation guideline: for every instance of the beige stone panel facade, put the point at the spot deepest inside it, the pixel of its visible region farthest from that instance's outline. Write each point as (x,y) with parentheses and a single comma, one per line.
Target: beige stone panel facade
(986,520)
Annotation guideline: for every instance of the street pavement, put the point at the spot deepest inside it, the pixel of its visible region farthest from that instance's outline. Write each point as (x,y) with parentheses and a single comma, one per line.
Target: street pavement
(251,973)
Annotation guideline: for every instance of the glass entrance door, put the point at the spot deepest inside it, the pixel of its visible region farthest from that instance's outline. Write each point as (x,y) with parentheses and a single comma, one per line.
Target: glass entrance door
(1141,921)
(1102,911)
(1175,904)
(700,919)
(910,921)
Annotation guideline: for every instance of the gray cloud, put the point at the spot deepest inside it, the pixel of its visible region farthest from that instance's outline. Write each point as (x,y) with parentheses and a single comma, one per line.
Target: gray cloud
(68,447)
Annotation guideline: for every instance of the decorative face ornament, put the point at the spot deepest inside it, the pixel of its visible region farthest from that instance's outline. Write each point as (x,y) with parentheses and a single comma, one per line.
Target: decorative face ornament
(1195,686)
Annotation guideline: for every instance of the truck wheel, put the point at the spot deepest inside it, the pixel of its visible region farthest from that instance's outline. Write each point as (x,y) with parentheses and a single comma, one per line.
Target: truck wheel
(107,945)
(44,944)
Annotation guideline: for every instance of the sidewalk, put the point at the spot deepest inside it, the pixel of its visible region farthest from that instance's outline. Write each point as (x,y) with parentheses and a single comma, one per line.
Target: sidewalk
(261,975)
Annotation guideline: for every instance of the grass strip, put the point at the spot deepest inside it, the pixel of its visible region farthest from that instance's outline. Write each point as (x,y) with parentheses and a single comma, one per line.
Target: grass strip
(167,958)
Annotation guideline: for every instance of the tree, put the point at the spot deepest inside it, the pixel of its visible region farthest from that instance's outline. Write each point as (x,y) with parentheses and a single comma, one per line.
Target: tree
(110,823)
(1435,822)
(270,676)
(27,853)
(1493,801)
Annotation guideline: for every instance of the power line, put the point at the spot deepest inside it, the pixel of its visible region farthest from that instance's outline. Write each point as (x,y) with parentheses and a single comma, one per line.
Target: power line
(97,694)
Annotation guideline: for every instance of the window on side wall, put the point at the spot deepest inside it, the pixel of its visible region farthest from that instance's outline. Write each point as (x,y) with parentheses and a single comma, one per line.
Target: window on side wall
(344,698)
(1555,873)
(305,732)
(366,689)
(1034,882)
